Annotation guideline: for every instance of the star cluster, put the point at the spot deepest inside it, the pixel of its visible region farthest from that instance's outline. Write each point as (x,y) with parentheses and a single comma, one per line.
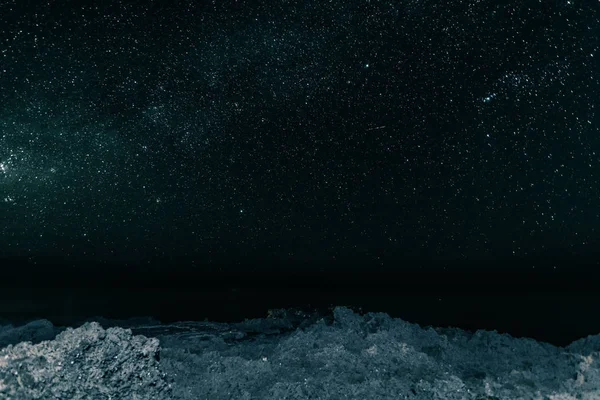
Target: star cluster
(299,130)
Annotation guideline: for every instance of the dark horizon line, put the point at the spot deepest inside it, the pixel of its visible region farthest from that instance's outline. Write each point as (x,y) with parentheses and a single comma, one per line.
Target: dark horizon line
(415,260)
(549,273)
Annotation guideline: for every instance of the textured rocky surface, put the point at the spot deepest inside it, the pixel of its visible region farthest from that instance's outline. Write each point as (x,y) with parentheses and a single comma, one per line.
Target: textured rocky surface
(84,363)
(294,355)
(34,331)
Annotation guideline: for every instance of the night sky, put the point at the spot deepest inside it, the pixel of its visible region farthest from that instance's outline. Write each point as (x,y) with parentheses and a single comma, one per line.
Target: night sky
(300,132)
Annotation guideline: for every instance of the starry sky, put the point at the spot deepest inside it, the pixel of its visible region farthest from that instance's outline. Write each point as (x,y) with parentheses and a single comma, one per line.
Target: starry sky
(299,131)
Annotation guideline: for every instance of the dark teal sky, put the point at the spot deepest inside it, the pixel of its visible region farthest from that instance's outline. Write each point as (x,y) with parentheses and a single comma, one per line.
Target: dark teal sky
(307,131)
